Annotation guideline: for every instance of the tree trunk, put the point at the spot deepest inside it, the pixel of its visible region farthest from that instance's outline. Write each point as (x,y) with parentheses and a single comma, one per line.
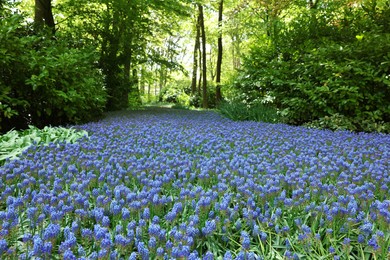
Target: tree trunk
(204,57)
(218,94)
(43,15)
(142,81)
(127,87)
(196,51)
(200,73)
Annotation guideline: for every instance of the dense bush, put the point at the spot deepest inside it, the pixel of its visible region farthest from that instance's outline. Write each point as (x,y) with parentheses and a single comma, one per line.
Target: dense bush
(45,81)
(326,69)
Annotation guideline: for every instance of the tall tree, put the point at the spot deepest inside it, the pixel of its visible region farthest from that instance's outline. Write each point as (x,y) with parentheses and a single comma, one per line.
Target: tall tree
(196,53)
(220,52)
(43,15)
(204,58)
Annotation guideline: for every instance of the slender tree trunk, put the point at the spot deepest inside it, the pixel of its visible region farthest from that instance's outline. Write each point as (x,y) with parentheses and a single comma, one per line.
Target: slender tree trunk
(200,73)
(218,94)
(142,81)
(43,15)
(204,58)
(196,52)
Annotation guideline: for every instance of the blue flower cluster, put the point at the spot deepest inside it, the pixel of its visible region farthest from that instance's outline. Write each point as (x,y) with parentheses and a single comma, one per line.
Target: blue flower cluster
(194,185)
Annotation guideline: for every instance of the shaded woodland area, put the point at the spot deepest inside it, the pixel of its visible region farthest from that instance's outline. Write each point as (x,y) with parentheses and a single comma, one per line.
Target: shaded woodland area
(320,63)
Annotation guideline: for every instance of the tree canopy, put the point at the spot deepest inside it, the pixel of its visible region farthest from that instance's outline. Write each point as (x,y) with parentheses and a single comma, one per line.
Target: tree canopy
(322,63)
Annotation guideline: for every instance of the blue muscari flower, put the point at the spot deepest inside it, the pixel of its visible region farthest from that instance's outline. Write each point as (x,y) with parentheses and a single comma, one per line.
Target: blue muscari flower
(238,224)
(133,256)
(177,235)
(170,216)
(347,241)
(40,219)
(154,229)
(118,229)
(47,247)
(263,236)
(209,227)
(143,251)
(332,250)
(31,213)
(27,237)
(138,233)
(102,253)
(373,242)
(228,256)
(120,240)
(256,230)
(152,242)
(245,240)
(38,246)
(241,256)
(193,256)
(189,240)
(175,252)
(3,246)
(68,255)
(146,213)
(156,220)
(125,213)
(106,221)
(380,233)
(301,236)
(114,255)
(361,239)
(168,245)
(99,232)
(142,223)
(106,243)
(132,224)
(86,233)
(366,228)
(51,231)
(306,229)
(81,251)
(160,251)
(208,256)
(278,212)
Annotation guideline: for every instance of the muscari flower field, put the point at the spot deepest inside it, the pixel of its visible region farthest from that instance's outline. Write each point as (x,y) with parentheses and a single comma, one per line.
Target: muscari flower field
(176,184)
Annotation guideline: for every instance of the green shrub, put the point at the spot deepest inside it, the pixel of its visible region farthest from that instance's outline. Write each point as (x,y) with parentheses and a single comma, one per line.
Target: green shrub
(46,82)
(257,112)
(325,74)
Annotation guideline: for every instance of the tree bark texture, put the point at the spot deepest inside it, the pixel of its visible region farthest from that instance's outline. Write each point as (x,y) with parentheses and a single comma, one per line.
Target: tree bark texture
(196,51)
(43,15)
(218,94)
(204,58)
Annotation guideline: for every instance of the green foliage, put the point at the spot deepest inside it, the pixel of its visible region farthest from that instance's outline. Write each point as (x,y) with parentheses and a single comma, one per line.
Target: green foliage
(15,142)
(177,92)
(327,73)
(45,81)
(258,112)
